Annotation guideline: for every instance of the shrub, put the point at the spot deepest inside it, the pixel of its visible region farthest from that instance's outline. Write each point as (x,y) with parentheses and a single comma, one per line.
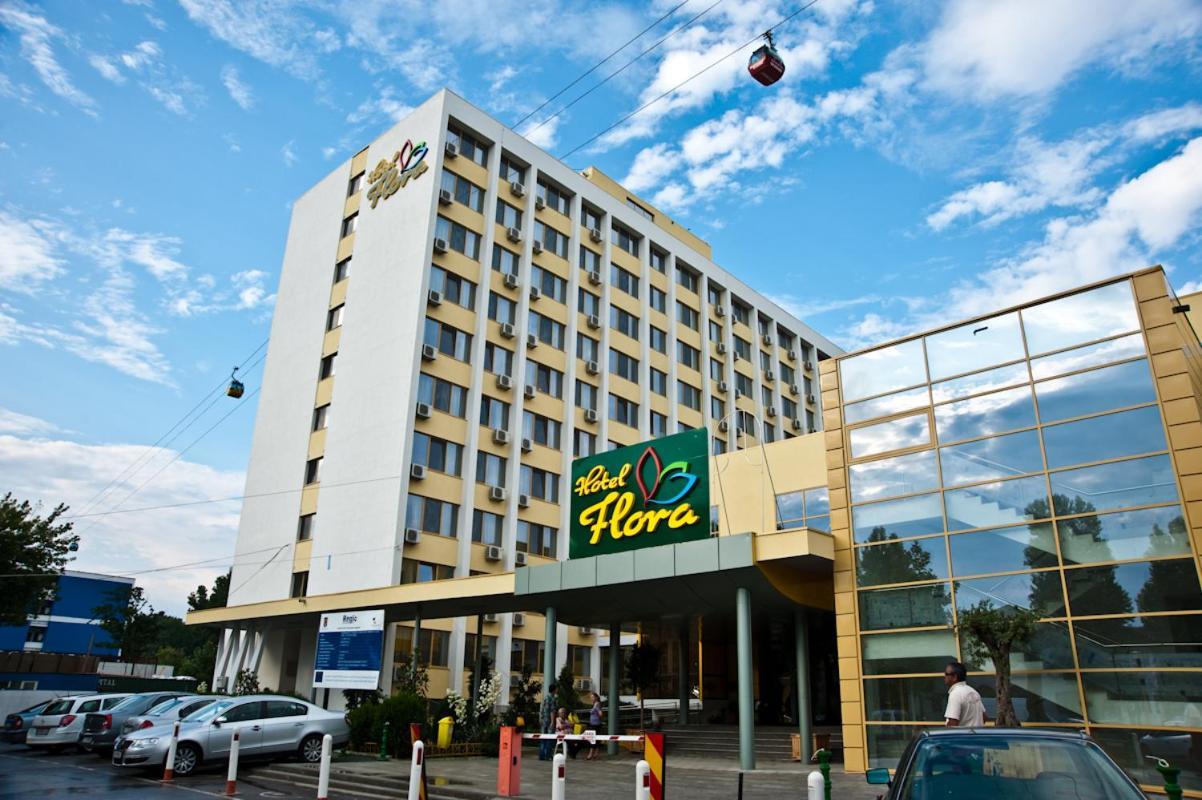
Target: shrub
(362,722)
(399,710)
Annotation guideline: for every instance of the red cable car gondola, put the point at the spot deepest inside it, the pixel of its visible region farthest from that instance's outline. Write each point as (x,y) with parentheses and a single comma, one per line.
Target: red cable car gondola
(236,388)
(765,64)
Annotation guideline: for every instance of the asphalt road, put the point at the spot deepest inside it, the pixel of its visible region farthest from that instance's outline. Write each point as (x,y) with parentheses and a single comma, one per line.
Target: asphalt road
(28,775)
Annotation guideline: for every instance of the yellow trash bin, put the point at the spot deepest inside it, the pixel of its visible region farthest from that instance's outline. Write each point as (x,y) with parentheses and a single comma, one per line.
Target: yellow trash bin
(577,725)
(446,726)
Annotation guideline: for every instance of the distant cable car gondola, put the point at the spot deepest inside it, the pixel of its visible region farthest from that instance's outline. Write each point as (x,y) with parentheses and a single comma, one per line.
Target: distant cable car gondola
(236,388)
(765,64)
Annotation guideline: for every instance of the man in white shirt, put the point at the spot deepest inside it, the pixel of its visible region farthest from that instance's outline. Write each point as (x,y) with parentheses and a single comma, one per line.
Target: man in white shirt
(964,706)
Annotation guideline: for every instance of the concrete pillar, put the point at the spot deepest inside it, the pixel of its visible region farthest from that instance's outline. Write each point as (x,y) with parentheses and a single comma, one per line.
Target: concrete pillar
(685,684)
(549,649)
(801,636)
(746,695)
(417,635)
(615,667)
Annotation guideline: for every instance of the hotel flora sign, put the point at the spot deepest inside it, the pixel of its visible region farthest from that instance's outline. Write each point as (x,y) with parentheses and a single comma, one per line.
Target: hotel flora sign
(645,495)
(391,174)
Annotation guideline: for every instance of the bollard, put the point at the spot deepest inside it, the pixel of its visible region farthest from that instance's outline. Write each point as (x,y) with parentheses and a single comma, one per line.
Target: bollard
(814,786)
(740,785)
(231,777)
(323,777)
(417,772)
(383,756)
(824,766)
(169,765)
(558,778)
(1169,773)
(642,781)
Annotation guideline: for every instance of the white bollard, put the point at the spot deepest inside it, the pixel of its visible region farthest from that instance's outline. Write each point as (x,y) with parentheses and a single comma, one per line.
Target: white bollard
(642,781)
(816,786)
(323,777)
(416,767)
(558,778)
(169,767)
(231,777)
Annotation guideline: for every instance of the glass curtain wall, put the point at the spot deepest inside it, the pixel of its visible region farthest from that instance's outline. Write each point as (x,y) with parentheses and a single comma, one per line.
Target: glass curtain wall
(1021,461)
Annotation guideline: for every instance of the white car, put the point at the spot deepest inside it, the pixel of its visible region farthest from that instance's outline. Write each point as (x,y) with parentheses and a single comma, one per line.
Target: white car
(60,724)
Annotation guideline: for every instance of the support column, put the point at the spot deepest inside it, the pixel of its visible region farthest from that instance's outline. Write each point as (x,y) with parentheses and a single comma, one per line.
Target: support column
(477,659)
(615,667)
(417,635)
(549,649)
(685,685)
(746,695)
(805,714)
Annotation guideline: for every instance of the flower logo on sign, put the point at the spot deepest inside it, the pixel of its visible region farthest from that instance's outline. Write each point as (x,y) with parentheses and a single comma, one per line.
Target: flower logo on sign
(391,174)
(649,466)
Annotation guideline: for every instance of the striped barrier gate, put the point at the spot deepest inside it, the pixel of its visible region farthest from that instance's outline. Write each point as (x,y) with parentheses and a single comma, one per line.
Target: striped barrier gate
(656,758)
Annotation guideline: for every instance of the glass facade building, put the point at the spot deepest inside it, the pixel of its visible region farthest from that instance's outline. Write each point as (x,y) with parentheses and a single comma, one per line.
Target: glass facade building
(1046,457)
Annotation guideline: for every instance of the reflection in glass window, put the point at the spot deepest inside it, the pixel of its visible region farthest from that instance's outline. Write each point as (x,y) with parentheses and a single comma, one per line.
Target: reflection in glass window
(1048,649)
(1090,356)
(1126,433)
(974,346)
(1139,482)
(790,510)
(890,477)
(979,383)
(884,406)
(911,516)
(1038,591)
(1146,533)
(1079,318)
(989,505)
(1170,585)
(883,370)
(911,607)
(1122,385)
(885,437)
(903,699)
(817,501)
(1003,550)
(1037,698)
(998,457)
(986,414)
(1133,698)
(898,653)
(1140,642)
(1133,750)
(901,562)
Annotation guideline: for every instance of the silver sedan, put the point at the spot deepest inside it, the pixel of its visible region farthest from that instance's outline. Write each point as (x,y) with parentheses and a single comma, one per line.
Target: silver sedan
(268,726)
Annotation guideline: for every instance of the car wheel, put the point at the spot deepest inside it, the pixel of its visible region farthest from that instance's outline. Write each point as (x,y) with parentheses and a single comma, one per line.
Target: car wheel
(187,759)
(310,749)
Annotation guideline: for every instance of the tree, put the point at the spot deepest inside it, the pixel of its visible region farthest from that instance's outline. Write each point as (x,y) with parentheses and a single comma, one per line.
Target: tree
(204,598)
(525,697)
(991,632)
(131,624)
(892,561)
(642,670)
(33,552)
(565,688)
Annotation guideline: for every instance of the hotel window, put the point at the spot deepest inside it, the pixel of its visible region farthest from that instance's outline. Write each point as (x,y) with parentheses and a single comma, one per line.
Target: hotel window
(342,269)
(488,650)
(432,645)
(497,359)
(354,185)
(490,469)
(766,396)
(494,413)
(554,197)
(740,312)
(717,446)
(586,396)
(536,539)
(624,322)
(468,144)
(659,382)
(621,279)
(765,360)
(682,427)
(659,260)
(512,171)
(624,239)
(539,483)
(809,386)
(587,348)
(505,261)
(458,238)
(321,417)
(591,218)
(769,432)
(587,302)
(659,300)
(448,340)
(437,454)
(441,395)
(810,420)
(300,585)
(334,317)
(454,289)
(717,409)
(551,285)
(350,224)
(424,572)
(583,444)
(463,190)
(659,340)
(785,338)
(304,527)
(623,365)
(788,408)
(327,367)
(742,348)
(688,395)
(687,316)
(526,652)
(508,216)
(659,425)
(765,325)
(745,421)
(547,380)
(687,278)
(743,384)
(623,411)
(713,293)
(579,656)
(432,516)
(546,330)
(589,261)
(715,331)
(810,508)
(501,309)
(541,430)
(313,470)
(487,528)
(688,355)
(551,239)
(787,374)
(642,212)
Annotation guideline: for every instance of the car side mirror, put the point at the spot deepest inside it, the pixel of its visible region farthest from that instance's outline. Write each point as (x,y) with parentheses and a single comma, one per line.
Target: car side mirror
(878,777)
(217,722)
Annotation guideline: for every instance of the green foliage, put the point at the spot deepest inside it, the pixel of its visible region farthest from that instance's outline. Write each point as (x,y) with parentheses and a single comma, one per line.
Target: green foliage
(130,623)
(217,597)
(247,682)
(399,710)
(353,698)
(565,687)
(31,546)
(413,677)
(525,699)
(642,671)
(989,632)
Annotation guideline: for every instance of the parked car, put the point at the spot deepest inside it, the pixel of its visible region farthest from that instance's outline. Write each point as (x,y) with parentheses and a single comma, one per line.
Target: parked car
(269,726)
(1004,763)
(60,724)
(17,724)
(168,711)
(100,729)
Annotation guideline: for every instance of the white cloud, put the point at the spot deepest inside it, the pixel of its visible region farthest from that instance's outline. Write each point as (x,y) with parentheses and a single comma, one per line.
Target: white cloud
(542,134)
(804,308)
(1157,125)
(1189,287)
(142,56)
(651,166)
(239,91)
(27,257)
(18,424)
(287,153)
(273,31)
(36,34)
(107,69)
(385,104)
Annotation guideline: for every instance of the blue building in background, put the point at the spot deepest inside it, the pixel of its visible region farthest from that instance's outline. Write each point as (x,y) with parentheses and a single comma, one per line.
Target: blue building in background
(65,624)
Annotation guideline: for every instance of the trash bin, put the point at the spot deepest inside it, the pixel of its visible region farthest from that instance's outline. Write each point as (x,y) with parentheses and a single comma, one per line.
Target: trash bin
(795,741)
(446,726)
(577,725)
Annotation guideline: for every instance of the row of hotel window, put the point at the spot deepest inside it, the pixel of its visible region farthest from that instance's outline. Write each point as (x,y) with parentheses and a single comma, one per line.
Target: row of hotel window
(434,649)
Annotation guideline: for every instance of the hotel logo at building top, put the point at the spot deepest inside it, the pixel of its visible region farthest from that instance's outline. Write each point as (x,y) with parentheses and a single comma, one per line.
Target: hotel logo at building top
(391,175)
(644,495)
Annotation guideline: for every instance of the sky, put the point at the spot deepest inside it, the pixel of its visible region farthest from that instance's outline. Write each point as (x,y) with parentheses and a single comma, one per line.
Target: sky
(919,162)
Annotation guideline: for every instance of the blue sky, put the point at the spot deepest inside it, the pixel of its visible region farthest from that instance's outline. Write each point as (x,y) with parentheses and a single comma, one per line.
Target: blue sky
(919,160)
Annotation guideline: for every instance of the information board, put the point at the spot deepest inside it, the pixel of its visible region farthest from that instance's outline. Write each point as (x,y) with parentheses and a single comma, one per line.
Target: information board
(350,646)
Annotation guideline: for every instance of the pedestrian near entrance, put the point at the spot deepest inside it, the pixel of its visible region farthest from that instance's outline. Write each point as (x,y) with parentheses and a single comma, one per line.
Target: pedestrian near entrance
(594,723)
(546,723)
(964,706)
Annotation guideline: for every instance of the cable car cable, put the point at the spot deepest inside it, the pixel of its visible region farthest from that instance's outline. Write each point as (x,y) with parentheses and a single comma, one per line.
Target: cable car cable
(700,72)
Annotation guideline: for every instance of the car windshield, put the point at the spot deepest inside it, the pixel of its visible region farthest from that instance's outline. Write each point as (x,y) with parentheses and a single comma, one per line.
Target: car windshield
(135,704)
(1008,768)
(36,709)
(163,706)
(58,707)
(211,712)
(196,707)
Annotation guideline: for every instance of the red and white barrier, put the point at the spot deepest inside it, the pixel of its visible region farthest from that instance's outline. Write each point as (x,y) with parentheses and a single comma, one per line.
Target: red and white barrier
(416,767)
(231,777)
(642,781)
(323,777)
(169,766)
(559,778)
(579,737)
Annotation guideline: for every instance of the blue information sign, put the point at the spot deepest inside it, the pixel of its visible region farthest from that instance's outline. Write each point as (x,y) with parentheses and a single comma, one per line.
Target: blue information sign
(350,646)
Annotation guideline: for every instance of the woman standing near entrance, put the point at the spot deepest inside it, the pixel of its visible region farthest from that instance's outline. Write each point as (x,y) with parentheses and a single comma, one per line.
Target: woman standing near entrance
(594,723)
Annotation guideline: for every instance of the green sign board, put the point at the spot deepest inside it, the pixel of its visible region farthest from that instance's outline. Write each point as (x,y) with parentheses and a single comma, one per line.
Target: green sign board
(644,495)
